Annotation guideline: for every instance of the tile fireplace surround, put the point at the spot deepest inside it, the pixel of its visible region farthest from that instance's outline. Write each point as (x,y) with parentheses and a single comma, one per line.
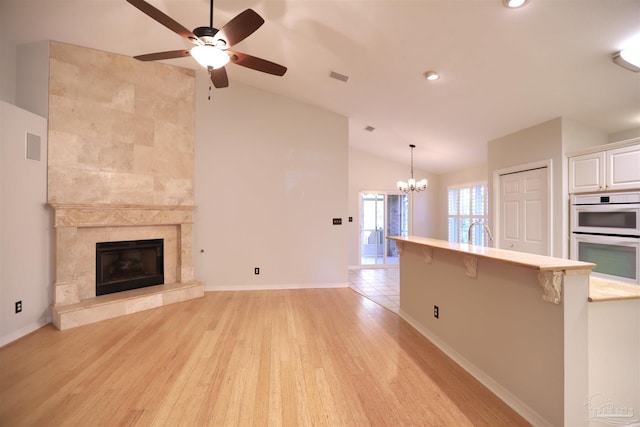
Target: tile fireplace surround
(80,227)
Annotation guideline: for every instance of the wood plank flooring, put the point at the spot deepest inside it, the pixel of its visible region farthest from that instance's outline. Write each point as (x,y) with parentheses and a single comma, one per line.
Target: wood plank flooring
(324,357)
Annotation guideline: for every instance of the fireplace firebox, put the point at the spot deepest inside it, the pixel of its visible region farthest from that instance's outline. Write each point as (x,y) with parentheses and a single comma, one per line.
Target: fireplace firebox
(126,265)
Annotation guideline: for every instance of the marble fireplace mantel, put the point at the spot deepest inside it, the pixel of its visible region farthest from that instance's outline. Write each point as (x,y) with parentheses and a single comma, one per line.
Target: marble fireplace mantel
(80,226)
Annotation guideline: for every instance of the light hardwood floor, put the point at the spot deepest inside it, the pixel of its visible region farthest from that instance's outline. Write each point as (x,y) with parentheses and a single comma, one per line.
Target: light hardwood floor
(326,357)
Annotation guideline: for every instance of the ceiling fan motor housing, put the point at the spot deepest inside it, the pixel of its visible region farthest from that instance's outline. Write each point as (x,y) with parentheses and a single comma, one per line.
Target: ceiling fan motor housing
(207,34)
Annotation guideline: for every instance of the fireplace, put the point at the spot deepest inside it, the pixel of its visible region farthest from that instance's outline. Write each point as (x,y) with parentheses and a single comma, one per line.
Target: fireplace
(126,265)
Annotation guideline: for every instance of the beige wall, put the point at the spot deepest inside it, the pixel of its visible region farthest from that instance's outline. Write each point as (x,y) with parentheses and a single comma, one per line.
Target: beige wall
(498,327)
(544,142)
(368,172)
(271,173)
(120,131)
(26,255)
(7,71)
(624,135)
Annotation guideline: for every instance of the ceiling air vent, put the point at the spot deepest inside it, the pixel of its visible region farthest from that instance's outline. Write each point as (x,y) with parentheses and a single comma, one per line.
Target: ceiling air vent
(339,76)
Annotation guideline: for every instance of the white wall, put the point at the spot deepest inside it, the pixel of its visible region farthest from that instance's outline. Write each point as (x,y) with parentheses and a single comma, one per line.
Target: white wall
(270,174)
(26,254)
(368,172)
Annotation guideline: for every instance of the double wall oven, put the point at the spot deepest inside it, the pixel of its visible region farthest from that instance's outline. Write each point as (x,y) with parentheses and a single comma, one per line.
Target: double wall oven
(605,230)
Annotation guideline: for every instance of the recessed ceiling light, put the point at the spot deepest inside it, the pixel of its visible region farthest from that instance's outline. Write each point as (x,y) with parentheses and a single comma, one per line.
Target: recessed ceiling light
(513,4)
(431,75)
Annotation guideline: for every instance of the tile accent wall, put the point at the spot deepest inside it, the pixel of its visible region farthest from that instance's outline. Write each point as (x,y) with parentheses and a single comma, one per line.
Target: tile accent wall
(121,131)
(120,167)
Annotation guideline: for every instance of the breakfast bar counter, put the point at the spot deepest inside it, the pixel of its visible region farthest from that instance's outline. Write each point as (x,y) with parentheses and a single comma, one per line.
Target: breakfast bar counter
(551,270)
(515,321)
(539,262)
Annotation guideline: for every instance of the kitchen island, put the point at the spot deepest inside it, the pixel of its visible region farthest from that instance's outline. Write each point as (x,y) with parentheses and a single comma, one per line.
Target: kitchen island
(517,322)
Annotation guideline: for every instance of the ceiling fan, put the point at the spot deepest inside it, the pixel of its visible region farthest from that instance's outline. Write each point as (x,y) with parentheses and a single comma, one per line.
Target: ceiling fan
(211,45)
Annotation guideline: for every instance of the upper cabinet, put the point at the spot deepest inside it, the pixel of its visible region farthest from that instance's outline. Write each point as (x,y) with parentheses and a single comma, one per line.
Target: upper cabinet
(607,170)
(586,173)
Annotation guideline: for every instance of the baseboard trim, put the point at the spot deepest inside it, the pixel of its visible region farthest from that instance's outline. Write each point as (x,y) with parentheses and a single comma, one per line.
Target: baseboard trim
(24,331)
(496,388)
(274,287)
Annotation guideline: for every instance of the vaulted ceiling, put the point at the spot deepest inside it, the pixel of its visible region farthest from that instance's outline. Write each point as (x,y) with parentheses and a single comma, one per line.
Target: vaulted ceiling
(501,69)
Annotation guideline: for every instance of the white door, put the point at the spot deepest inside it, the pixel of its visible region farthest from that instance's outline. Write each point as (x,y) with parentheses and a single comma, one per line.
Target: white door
(524,211)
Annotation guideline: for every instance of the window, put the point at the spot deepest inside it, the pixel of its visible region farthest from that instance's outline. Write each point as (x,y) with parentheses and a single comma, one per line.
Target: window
(467,204)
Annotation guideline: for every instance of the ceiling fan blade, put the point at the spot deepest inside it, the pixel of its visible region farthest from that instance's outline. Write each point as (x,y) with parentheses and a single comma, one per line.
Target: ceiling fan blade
(219,77)
(163,55)
(164,19)
(240,27)
(256,63)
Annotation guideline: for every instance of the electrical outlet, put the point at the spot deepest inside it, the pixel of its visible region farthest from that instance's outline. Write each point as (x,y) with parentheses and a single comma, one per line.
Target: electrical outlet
(337,221)
(436,311)
(18,306)
(256,270)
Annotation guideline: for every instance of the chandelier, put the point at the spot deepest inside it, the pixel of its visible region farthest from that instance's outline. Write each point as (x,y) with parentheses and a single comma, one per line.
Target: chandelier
(412,185)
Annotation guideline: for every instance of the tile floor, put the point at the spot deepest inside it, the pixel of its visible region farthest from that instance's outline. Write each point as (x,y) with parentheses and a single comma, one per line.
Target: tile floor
(381,285)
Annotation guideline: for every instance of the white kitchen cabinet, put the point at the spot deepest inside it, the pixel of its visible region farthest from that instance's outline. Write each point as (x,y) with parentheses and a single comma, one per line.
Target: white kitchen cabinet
(623,168)
(606,170)
(586,172)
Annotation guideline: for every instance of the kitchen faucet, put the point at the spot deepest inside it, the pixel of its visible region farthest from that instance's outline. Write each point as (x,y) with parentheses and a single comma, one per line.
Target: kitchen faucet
(486,229)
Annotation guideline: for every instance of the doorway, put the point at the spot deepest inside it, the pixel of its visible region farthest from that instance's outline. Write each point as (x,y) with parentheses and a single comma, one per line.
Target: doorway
(382,214)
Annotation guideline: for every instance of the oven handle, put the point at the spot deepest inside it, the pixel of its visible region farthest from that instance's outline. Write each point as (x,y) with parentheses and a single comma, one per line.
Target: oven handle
(622,207)
(606,238)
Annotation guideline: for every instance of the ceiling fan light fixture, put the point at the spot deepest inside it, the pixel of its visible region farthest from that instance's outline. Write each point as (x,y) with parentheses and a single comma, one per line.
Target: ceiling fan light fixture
(514,4)
(209,56)
(629,58)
